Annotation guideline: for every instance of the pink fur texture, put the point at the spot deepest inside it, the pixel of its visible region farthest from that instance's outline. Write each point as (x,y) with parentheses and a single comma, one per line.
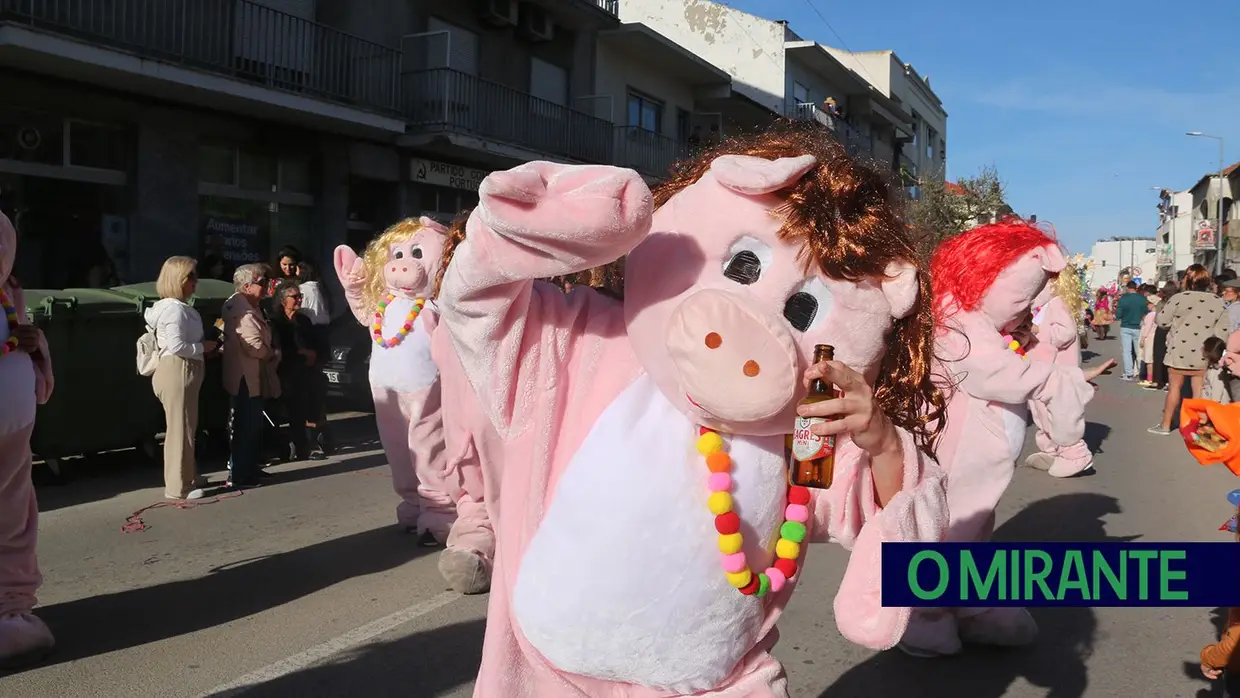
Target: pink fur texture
(1057,342)
(607,580)
(404,379)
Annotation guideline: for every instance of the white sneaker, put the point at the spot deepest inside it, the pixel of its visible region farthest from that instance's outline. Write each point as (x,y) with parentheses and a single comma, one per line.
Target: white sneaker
(1040,461)
(193,494)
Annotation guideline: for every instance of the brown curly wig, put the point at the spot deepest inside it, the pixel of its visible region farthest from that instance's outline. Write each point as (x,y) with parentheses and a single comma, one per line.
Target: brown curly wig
(847,218)
(454,237)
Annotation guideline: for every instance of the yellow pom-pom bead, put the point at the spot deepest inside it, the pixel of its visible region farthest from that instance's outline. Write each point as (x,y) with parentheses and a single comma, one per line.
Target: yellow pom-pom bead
(739,579)
(787,550)
(719,502)
(709,443)
(1014,344)
(730,543)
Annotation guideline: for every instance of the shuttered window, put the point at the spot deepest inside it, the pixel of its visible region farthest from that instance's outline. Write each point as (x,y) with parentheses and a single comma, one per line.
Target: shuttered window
(461,50)
(549,82)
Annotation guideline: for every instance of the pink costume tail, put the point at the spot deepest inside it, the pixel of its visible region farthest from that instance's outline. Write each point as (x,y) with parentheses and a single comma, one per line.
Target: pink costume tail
(411,431)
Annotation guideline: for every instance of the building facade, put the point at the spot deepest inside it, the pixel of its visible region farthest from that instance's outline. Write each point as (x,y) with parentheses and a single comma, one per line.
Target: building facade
(1136,257)
(1176,238)
(1204,211)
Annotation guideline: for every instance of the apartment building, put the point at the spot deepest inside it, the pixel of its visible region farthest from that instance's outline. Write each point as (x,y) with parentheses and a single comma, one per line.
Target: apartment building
(921,141)
(1136,257)
(1204,216)
(1175,237)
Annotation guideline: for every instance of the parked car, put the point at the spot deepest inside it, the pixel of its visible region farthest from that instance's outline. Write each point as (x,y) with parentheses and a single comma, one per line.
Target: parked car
(348,366)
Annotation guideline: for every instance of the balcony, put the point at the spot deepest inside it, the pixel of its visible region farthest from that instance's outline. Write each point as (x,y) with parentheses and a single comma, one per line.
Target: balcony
(446,100)
(611,7)
(845,133)
(647,152)
(235,38)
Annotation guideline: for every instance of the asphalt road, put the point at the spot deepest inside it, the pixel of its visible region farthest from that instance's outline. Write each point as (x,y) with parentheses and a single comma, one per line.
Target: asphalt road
(307,588)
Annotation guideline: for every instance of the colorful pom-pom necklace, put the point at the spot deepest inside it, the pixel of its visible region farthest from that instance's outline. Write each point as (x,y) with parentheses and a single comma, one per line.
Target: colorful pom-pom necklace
(377,328)
(10,315)
(1014,346)
(792,533)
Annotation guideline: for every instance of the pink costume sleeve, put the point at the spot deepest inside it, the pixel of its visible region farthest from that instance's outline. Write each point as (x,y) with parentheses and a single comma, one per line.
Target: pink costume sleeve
(45,379)
(1058,328)
(533,222)
(849,514)
(347,263)
(980,365)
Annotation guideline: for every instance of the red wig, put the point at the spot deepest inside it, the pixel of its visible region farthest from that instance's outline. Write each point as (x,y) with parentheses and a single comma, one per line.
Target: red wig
(967,265)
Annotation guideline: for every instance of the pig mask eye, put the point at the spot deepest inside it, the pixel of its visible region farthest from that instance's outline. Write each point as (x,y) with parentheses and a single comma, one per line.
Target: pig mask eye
(808,305)
(746,259)
(416,253)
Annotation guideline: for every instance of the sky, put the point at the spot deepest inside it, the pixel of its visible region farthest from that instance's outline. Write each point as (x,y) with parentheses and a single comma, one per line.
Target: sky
(1080,105)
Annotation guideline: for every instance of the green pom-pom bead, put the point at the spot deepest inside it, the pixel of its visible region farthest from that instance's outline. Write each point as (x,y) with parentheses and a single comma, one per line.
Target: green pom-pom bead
(764,584)
(793,531)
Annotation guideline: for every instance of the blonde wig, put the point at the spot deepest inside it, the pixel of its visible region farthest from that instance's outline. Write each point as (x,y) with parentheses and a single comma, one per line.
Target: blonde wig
(172,277)
(376,257)
(1067,285)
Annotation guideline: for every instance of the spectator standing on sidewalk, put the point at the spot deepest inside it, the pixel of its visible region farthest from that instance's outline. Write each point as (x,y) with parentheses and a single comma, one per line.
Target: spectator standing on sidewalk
(1130,311)
(178,377)
(297,371)
(1191,315)
(1230,292)
(250,359)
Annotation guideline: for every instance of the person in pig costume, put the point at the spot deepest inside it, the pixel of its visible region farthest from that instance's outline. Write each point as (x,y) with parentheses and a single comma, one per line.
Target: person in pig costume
(25,382)
(644,481)
(1058,341)
(986,282)
(387,291)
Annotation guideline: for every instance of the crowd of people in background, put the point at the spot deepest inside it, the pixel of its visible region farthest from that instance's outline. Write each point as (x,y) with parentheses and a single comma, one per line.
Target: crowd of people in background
(272,341)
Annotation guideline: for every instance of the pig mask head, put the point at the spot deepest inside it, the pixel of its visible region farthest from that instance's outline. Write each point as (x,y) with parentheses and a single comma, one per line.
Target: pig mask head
(1002,270)
(755,258)
(403,261)
(8,248)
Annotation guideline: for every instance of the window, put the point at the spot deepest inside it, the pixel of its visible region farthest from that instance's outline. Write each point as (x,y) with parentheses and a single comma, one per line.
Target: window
(644,112)
(217,164)
(549,82)
(932,138)
(295,175)
(916,130)
(97,145)
(456,49)
(257,171)
(800,93)
(943,150)
(445,201)
(683,125)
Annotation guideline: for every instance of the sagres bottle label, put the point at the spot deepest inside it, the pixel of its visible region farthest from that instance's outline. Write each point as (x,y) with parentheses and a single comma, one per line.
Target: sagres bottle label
(806,445)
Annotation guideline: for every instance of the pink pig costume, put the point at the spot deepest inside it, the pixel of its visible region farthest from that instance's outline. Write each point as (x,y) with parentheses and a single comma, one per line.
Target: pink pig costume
(404,379)
(607,577)
(1057,342)
(25,383)
(986,412)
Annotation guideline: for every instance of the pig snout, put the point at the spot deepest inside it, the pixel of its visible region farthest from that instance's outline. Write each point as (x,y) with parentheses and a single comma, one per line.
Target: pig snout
(733,363)
(406,275)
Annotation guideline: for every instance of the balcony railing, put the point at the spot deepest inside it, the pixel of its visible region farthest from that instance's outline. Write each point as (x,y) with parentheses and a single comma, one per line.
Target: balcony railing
(611,7)
(845,133)
(443,99)
(238,38)
(646,151)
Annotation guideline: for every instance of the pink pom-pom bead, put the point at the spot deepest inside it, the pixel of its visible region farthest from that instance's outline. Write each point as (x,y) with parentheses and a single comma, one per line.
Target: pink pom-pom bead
(797,512)
(777,579)
(734,563)
(719,482)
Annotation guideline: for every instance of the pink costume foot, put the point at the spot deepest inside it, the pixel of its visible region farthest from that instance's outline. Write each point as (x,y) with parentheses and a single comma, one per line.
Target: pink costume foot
(24,640)
(931,634)
(1005,627)
(465,571)
(1040,461)
(1067,468)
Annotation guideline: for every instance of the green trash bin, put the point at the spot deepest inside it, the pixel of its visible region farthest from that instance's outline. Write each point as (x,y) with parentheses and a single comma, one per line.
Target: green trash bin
(208,300)
(100,403)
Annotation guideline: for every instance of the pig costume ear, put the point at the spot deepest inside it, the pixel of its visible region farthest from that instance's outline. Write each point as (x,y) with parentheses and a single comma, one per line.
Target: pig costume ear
(746,174)
(8,247)
(901,288)
(433,224)
(1052,259)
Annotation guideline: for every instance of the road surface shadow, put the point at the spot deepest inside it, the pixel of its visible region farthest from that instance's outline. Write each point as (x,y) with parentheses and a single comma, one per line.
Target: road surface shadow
(430,663)
(1055,663)
(1095,434)
(106,475)
(110,622)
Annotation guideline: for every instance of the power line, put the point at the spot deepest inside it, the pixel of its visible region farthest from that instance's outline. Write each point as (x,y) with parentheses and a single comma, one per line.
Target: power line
(843,45)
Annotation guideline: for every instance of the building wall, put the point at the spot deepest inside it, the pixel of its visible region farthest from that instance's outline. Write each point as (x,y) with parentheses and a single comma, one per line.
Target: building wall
(910,90)
(876,67)
(1112,256)
(819,88)
(619,71)
(749,48)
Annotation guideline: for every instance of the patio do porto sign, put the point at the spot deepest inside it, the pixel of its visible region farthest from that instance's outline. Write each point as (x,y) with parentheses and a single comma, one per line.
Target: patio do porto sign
(446,175)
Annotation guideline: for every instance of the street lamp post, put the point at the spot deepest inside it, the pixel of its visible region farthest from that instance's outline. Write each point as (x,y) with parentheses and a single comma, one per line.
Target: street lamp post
(1218,261)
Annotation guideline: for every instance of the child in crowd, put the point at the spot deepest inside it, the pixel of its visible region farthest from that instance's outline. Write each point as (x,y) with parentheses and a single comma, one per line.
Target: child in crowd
(1221,657)
(1215,387)
(1148,326)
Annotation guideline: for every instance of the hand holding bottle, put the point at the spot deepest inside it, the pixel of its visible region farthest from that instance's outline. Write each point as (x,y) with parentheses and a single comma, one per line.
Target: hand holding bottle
(854,413)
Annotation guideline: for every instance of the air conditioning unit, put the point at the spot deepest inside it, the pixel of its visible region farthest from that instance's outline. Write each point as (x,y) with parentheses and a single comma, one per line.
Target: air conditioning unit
(536,24)
(500,13)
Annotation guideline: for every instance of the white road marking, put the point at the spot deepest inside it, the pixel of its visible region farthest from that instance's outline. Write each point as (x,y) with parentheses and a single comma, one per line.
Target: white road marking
(353,638)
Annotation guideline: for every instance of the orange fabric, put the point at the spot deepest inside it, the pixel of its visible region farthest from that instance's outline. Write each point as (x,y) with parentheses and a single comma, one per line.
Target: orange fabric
(1222,654)
(1226,421)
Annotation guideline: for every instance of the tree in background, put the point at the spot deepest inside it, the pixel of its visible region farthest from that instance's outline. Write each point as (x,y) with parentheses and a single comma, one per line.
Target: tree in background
(947,209)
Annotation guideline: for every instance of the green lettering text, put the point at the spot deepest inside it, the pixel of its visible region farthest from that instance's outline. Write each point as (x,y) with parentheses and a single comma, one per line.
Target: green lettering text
(1038,577)
(1167,575)
(916,587)
(1072,576)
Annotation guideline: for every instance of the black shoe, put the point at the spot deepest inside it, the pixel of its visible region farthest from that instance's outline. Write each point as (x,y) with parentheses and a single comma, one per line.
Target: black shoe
(427,540)
(242,485)
(263,474)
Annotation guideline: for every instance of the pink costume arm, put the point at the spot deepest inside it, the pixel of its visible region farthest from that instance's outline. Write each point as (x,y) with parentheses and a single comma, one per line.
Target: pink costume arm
(536,221)
(980,365)
(1058,328)
(350,273)
(849,514)
(45,379)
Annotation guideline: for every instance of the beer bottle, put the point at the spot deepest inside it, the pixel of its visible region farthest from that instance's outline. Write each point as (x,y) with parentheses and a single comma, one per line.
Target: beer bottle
(812,461)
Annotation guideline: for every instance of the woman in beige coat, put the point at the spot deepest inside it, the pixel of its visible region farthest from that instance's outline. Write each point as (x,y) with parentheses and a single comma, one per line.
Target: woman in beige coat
(178,377)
